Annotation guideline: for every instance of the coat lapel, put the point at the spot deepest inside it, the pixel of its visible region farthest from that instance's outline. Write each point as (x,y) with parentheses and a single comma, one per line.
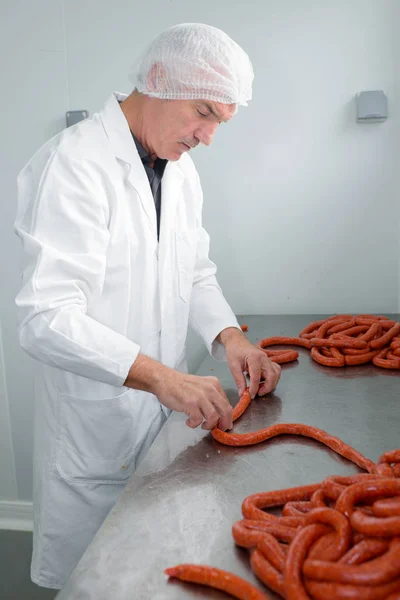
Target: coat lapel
(124,148)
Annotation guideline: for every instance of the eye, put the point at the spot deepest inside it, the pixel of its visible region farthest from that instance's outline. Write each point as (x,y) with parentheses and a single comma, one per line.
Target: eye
(202,114)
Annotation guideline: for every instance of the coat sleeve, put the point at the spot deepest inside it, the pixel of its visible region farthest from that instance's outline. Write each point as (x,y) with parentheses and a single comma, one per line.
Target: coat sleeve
(210,313)
(62,222)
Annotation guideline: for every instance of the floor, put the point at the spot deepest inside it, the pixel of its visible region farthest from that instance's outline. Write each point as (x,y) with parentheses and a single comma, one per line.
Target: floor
(15,561)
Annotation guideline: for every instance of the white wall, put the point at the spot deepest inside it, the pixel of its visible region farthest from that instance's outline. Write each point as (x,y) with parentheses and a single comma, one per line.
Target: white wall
(395,25)
(32,105)
(8,482)
(300,200)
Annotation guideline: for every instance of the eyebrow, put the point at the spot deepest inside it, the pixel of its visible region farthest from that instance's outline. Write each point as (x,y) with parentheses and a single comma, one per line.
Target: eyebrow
(210,108)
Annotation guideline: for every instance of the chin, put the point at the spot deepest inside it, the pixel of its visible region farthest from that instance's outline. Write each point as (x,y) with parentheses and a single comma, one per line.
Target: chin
(174,156)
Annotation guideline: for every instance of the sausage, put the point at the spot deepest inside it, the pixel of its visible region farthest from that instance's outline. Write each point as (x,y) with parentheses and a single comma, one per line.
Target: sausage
(388,507)
(364,550)
(353,330)
(392,456)
(247,533)
(324,360)
(380,360)
(326,325)
(217,579)
(316,324)
(252,505)
(298,549)
(282,356)
(256,437)
(382,569)
(341,327)
(287,341)
(373,331)
(364,490)
(360,359)
(267,573)
(386,338)
(338,343)
(386,324)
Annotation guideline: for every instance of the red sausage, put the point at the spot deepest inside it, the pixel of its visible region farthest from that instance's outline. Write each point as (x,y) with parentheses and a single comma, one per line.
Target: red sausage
(386,338)
(218,579)
(323,360)
(287,341)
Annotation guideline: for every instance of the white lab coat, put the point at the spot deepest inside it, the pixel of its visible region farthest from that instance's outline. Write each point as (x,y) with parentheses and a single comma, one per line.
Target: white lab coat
(98,289)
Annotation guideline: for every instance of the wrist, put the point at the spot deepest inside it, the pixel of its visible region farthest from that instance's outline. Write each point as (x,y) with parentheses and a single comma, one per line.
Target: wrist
(230,334)
(147,374)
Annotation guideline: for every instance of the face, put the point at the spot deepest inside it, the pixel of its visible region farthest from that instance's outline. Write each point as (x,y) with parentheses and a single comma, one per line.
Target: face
(173,127)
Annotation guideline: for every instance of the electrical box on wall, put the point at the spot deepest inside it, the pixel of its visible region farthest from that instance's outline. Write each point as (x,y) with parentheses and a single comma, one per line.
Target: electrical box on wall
(371,106)
(74,116)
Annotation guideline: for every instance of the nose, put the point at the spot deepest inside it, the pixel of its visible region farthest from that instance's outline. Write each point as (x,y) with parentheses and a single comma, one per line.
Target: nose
(206,132)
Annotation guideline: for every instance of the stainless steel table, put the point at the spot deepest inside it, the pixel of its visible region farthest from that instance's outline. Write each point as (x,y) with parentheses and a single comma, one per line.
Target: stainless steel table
(181,503)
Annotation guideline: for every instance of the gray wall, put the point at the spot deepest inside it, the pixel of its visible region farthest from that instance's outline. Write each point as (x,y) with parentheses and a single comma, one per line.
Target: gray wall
(301,202)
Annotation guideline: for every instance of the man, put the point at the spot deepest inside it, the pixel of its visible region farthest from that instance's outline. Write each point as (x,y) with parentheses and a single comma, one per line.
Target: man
(116,267)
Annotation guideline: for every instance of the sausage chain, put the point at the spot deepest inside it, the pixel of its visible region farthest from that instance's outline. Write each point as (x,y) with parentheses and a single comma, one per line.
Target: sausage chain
(343,340)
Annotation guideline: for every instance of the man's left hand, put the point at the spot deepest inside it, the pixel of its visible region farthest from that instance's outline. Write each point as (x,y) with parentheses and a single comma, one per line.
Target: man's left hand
(243,356)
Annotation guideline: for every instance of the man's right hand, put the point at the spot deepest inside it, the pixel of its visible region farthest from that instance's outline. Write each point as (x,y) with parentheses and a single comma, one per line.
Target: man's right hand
(202,399)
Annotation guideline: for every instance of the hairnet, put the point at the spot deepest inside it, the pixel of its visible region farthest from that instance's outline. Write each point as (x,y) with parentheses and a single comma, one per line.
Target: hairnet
(195,61)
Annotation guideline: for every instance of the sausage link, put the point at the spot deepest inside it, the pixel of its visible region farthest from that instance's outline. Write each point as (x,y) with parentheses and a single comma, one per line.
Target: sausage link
(316,324)
(247,533)
(267,573)
(282,356)
(387,507)
(382,569)
(338,343)
(217,579)
(324,360)
(364,550)
(386,338)
(341,327)
(373,331)
(287,341)
(360,359)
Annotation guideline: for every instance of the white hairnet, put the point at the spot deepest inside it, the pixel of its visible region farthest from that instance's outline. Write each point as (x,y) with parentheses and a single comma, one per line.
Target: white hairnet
(195,61)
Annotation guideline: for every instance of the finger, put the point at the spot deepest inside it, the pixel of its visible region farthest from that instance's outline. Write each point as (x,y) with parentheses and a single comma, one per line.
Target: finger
(224,409)
(195,417)
(271,376)
(271,379)
(254,370)
(238,376)
(211,416)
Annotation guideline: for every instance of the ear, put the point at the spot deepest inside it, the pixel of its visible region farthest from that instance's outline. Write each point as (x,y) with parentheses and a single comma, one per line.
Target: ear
(157,78)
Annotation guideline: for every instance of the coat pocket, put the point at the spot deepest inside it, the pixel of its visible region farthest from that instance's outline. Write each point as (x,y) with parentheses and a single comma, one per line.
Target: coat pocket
(96,439)
(186,249)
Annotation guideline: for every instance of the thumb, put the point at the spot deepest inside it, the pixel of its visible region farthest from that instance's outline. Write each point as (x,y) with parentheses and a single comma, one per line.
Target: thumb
(236,370)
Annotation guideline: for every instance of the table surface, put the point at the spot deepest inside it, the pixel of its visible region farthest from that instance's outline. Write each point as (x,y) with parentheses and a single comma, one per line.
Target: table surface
(180,504)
